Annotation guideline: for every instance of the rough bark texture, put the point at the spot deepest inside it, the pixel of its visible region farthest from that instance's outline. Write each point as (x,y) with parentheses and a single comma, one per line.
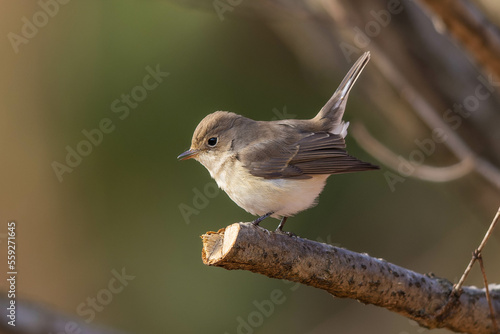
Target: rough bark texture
(347,274)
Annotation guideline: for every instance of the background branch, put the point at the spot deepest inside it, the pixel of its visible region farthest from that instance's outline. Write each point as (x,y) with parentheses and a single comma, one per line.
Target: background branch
(422,172)
(37,318)
(348,274)
(428,60)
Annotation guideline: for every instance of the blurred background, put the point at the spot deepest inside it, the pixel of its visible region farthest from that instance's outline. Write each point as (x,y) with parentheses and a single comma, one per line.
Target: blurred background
(99,97)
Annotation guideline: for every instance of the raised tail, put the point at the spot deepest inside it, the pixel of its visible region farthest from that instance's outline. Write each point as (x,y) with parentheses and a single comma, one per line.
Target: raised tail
(331,114)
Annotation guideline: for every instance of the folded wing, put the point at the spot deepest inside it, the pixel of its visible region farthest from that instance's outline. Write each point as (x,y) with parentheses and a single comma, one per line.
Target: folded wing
(316,153)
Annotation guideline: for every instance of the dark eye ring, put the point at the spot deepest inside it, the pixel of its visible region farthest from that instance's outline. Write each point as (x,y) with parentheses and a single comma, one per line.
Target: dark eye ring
(212,141)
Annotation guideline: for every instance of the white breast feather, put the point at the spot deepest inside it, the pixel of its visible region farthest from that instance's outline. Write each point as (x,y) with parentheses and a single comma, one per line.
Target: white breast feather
(284,197)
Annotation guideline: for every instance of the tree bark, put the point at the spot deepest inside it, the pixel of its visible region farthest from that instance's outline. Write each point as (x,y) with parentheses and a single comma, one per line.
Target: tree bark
(348,274)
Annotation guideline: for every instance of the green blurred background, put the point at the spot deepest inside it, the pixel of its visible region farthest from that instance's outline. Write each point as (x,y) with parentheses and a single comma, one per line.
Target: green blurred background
(119,208)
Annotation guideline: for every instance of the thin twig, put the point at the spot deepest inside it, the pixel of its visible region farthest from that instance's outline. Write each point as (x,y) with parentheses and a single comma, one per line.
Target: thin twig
(476,255)
(488,297)
(458,286)
(456,292)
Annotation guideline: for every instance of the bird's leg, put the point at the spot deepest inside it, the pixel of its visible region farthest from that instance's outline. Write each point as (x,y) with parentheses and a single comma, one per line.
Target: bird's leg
(261,218)
(282,223)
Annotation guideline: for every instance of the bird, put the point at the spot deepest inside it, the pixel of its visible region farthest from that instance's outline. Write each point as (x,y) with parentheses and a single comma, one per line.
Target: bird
(278,168)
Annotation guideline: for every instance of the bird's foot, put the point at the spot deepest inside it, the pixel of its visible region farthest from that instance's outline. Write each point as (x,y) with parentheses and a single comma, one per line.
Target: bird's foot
(279,229)
(257,221)
(290,234)
(282,223)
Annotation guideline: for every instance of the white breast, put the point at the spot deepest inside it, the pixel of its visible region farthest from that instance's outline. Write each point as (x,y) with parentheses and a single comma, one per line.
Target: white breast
(284,197)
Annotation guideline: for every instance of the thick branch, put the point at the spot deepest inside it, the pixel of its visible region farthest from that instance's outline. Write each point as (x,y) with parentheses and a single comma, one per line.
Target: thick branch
(347,274)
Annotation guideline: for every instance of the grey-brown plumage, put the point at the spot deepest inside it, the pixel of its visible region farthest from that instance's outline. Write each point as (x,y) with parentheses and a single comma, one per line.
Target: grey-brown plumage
(299,156)
(278,168)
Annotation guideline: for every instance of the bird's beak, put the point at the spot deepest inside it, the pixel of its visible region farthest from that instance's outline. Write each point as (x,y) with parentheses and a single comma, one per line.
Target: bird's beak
(188,154)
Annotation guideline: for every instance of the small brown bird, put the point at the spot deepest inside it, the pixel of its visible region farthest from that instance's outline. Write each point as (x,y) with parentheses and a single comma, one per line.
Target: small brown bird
(277,168)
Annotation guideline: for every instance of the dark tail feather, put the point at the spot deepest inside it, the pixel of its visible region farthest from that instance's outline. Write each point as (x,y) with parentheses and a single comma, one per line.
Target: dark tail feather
(331,114)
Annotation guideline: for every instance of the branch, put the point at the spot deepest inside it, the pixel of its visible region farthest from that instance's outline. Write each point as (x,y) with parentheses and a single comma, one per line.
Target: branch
(421,172)
(470,27)
(427,113)
(347,274)
(37,318)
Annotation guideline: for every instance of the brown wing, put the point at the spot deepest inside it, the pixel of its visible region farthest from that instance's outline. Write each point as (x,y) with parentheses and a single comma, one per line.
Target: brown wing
(317,153)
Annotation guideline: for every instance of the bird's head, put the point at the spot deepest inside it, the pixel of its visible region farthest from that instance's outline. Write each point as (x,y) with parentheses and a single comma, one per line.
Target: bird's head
(213,138)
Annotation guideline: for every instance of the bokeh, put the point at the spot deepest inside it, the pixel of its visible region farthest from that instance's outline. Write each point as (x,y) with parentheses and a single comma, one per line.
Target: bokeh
(133,79)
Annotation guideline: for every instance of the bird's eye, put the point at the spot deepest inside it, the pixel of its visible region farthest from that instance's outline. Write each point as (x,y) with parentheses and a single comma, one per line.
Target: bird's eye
(212,141)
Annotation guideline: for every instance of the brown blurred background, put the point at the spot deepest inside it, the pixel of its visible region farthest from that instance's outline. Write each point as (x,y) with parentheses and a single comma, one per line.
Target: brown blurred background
(68,66)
